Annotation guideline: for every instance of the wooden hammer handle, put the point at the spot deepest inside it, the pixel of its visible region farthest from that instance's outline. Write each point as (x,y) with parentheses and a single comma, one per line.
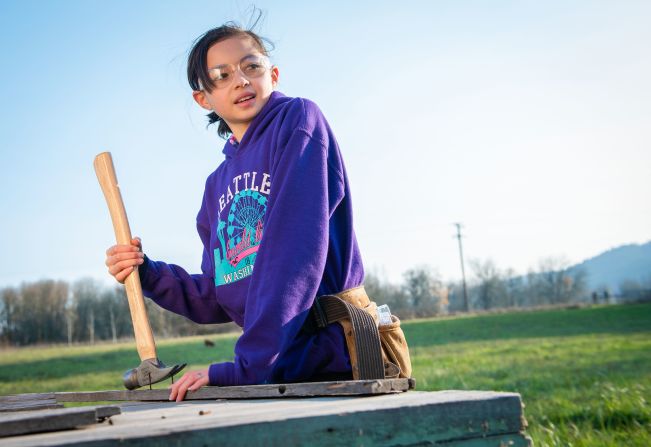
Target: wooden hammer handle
(108,181)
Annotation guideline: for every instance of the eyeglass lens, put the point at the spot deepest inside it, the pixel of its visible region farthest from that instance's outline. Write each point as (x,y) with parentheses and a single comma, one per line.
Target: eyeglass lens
(251,67)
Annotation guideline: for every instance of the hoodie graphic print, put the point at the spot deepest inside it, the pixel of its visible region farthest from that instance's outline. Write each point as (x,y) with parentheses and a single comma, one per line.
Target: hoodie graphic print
(242,209)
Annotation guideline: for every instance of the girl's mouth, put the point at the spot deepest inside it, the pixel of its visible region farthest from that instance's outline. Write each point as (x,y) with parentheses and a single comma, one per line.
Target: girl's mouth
(245,99)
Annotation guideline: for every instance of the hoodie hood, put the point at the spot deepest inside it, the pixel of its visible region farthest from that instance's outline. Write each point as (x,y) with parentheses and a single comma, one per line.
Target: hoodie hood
(258,124)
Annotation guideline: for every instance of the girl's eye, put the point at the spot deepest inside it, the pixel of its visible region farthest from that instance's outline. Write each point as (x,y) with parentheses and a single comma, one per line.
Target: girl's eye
(252,67)
(220,75)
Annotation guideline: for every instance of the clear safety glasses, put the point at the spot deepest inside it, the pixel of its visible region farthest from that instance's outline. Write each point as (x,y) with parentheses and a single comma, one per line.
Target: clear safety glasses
(250,67)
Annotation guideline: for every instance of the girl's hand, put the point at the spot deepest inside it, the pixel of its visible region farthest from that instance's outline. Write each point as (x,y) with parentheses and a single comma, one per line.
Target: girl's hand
(192,381)
(121,260)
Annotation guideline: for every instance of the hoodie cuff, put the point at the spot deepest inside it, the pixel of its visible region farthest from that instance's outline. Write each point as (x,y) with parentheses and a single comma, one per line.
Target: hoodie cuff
(143,270)
(222,374)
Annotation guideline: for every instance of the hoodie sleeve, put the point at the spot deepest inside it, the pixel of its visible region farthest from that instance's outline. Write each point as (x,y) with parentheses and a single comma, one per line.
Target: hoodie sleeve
(290,261)
(190,295)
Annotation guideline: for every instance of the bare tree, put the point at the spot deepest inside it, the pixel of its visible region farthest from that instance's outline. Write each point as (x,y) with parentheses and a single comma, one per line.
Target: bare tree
(515,288)
(555,283)
(424,290)
(383,292)
(9,301)
(34,313)
(490,289)
(86,299)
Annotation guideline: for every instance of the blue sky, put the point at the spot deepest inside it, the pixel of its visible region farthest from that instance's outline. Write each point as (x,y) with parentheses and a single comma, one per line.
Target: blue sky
(530,122)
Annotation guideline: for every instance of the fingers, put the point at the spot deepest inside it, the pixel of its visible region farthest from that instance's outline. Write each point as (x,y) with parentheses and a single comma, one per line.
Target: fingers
(178,390)
(122,275)
(118,256)
(122,259)
(191,381)
(136,245)
(122,248)
(123,269)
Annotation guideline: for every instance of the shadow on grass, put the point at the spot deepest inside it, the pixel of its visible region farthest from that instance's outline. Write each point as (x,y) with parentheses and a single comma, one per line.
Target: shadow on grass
(119,361)
(621,319)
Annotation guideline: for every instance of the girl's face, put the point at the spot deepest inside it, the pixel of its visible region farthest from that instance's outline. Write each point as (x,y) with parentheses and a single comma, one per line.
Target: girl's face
(241,100)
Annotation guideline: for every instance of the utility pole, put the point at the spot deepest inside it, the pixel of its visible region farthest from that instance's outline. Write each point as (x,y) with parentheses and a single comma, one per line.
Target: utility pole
(463,269)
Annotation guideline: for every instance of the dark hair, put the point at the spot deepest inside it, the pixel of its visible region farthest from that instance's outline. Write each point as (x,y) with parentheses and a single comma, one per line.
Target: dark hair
(197,61)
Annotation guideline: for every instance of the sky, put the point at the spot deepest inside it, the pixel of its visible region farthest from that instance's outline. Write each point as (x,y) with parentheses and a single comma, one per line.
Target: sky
(528,122)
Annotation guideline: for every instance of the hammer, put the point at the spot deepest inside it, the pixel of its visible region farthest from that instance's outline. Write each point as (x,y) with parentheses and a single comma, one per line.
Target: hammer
(151,370)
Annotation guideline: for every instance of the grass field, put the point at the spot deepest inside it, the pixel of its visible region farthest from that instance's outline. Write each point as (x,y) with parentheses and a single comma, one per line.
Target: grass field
(584,374)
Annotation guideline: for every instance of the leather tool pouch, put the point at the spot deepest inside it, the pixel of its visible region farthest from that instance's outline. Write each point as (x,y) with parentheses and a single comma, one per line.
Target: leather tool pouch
(375,353)
(394,348)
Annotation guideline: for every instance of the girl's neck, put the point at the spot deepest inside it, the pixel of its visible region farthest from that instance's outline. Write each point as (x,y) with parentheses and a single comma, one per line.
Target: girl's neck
(239,131)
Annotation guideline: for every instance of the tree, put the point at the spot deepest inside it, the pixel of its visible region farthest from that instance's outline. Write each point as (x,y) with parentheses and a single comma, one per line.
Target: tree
(515,288)
(35,313)
(425,291)
(555,283)
(119,317)
(490,290)
(9,301)
(86,301)
(383,292)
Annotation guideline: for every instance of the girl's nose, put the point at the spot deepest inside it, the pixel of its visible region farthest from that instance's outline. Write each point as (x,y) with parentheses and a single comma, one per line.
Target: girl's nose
(240,79)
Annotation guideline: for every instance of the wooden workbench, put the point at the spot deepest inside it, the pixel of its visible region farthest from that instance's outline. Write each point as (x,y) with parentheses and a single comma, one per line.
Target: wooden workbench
(449,418)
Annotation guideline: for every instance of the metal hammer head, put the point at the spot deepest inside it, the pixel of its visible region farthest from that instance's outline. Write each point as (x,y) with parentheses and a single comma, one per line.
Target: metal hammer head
(149,371)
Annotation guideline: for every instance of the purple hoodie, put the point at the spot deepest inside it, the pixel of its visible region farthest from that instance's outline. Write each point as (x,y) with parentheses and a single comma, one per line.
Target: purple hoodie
(276,224)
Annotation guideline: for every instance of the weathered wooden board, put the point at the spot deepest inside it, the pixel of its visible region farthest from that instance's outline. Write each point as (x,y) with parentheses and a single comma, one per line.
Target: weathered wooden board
(106,411)
(25,397)
(28,402)
(46,420)
(452,418)
(310,389)
(29,405)
(49,420)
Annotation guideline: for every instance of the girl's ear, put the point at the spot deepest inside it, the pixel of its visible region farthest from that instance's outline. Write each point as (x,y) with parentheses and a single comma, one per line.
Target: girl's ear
(274,75)
(200,98)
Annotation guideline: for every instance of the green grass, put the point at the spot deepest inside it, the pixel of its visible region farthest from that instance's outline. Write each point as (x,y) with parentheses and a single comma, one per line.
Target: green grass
(584,374)
(99,367)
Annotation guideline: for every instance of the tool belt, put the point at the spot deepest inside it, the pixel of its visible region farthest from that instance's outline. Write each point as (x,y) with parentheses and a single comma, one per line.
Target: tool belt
(375,352)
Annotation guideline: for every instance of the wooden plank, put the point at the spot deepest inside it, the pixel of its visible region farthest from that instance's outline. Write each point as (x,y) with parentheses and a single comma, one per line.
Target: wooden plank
(311,389)
(106,411)
(29,405)
(45,420)
(26,397)
(377,426)
(50,420)
(458,418)
(28,402)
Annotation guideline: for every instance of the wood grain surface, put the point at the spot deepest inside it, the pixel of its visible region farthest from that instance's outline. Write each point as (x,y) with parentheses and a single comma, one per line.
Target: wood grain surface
(109,183)
(451,418)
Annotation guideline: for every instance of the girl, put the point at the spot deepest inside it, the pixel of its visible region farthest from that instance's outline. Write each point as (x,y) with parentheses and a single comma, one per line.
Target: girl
(275,222)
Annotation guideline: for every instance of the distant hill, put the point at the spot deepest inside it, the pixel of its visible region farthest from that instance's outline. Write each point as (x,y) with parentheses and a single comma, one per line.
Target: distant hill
(612,267)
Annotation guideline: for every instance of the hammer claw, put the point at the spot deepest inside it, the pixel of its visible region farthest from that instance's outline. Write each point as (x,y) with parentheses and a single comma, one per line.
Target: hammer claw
(150,371)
